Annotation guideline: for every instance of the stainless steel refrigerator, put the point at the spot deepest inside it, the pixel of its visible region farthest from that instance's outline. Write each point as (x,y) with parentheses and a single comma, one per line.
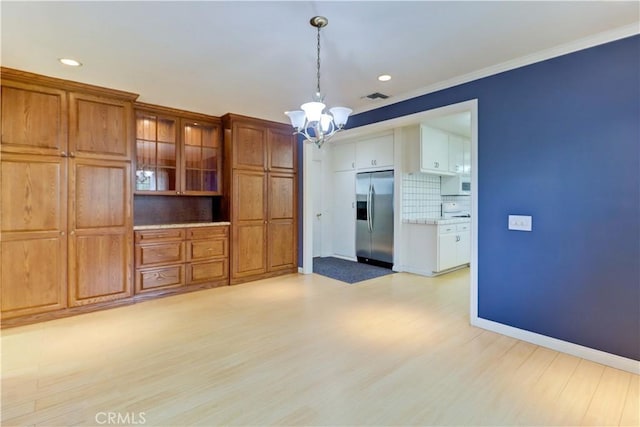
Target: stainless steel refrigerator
(374,218)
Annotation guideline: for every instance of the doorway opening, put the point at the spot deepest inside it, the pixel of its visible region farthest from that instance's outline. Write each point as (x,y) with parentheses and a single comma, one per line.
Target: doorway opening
(436,117)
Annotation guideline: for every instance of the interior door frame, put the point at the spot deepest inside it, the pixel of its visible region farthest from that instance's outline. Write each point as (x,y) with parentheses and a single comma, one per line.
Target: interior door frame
(308,193)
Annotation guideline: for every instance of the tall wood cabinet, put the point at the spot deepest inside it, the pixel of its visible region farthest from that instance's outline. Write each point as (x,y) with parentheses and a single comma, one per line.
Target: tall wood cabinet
(261,189)
(66,215)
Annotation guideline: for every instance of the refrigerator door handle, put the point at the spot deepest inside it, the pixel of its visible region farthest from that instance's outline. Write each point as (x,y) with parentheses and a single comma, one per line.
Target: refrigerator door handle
(369,208)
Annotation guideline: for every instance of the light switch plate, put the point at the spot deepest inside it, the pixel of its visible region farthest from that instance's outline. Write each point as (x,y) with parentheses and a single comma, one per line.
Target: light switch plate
(520,222)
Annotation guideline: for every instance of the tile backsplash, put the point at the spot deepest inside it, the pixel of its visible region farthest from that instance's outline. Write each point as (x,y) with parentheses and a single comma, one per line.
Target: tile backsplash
(421,197)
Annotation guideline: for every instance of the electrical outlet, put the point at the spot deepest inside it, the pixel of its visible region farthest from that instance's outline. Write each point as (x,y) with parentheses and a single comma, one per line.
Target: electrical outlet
(520,222)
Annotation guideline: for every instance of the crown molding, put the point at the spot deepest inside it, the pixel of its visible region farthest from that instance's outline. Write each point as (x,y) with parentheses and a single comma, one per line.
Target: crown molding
(543,55)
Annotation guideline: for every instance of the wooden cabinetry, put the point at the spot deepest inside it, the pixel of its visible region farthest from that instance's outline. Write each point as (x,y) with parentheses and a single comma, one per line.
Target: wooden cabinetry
(100,259)
(208,255)
(34,226)
(168,258)
(66,194)
(262,197)
(177,152)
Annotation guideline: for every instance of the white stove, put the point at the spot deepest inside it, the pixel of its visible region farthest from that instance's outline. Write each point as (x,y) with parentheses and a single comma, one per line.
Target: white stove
(453,210)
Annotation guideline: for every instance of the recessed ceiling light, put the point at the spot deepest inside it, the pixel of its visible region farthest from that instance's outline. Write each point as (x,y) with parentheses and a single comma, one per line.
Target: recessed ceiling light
(384,77)
(70,62)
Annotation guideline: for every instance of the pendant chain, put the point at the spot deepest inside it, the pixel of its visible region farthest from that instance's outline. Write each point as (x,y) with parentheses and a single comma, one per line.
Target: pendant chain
(318,63)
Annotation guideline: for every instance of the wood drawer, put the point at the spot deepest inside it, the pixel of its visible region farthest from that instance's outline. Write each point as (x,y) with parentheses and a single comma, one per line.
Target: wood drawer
(160,253)
(207,232)
(207,249)
(207,271)
(162,277)
(159,235)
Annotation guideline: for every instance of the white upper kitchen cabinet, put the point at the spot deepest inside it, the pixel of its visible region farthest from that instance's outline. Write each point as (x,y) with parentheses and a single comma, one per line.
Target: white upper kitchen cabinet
(427,150)
(375,152)
(456,154)
(434,151)
(344,214)
(344,156)
(466,157)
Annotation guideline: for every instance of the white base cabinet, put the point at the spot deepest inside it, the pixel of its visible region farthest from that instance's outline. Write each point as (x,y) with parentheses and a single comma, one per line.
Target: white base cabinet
(454,246)
(431,249)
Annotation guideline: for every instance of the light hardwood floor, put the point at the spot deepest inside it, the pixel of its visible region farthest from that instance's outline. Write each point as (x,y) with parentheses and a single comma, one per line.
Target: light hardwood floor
(302,350)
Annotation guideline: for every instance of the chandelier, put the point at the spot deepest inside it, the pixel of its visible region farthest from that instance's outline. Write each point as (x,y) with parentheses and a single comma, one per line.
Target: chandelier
(311,121)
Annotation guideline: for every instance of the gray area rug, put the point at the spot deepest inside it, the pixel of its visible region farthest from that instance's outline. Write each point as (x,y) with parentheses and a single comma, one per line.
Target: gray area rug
(347,271)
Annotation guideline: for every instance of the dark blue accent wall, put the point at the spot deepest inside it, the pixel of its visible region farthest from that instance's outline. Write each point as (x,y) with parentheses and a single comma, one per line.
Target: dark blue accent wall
(558,140)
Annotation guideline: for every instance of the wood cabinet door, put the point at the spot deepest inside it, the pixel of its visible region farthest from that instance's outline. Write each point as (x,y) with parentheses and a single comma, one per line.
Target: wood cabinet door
(282,248)
(34,119)
(157,154)
(248,250)
(249,197)
(282,196)
(33,251)
(249,146)
(281,150)
(249,220)
(100,236)
(201,158)
(100,127)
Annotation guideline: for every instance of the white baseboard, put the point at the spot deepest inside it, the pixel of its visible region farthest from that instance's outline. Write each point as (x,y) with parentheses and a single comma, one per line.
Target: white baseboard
(577,350)
(413,270)
(345,257)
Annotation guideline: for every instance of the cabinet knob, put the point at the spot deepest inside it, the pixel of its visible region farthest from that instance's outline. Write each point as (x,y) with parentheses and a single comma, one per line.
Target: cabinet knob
(457,238)
(63,154)
(72,154)
(72,232)
(62,233)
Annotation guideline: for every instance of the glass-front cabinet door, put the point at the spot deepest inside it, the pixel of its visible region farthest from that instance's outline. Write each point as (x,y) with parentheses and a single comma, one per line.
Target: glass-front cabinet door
(202,157)
(156,154)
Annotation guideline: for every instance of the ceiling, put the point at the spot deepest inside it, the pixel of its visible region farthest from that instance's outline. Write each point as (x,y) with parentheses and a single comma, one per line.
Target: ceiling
(258,58)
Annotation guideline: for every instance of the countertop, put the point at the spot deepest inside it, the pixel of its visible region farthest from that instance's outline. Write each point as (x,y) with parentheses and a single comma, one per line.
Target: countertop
(437,221)
(183,225)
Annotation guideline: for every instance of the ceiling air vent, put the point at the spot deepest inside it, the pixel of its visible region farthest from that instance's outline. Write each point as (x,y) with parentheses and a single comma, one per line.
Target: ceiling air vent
(377,95)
